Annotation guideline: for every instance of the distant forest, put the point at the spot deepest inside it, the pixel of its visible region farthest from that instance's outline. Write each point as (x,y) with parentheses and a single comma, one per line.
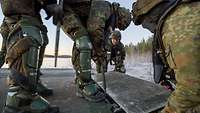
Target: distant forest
(143,47)
(59,56)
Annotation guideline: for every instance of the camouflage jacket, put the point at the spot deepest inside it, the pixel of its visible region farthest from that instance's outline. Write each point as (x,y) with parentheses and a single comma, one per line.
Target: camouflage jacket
(78,1)
(27,7)
(118,52)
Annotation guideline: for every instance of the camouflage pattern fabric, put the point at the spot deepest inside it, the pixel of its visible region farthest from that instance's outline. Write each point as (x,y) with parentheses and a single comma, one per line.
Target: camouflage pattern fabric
(142,7)
(118,56)
(73,25)
(91,19)
(74,1)
(45,42)
(124,18)
(22,45)
(27,7)
(98,18)
(17,45)
(78,23)
(4,30)
(181,37)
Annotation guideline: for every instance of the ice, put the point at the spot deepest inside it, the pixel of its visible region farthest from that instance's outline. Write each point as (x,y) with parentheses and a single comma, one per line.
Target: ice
(139,66)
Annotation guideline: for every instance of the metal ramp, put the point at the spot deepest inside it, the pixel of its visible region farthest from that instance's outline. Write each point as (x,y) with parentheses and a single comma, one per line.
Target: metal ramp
(132,94)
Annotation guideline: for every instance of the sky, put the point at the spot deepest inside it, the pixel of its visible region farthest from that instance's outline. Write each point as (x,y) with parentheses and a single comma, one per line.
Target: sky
(133,34)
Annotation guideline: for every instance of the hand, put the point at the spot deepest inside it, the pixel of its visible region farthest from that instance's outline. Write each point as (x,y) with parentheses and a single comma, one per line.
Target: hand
(58,16)
(55,11)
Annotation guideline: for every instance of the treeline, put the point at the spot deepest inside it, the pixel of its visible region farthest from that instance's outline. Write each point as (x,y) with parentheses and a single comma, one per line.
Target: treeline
(145,46)
(59,56)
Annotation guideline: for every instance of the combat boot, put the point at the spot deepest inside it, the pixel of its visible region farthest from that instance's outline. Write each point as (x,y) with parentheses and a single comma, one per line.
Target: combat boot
(85,86)
(120,68)
(22,101)
(43,90)
(89,90)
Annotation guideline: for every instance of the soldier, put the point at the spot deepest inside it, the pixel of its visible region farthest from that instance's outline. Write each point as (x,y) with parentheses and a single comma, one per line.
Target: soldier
(41,88)
(87,23)
(23,42)
(176,28)
(118,53)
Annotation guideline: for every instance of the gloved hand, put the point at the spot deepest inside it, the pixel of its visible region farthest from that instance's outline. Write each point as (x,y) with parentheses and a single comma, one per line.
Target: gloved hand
(108,53)
(2,58)
(55,11)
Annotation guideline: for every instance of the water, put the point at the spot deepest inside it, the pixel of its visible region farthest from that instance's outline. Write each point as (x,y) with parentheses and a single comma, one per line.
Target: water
(140,67)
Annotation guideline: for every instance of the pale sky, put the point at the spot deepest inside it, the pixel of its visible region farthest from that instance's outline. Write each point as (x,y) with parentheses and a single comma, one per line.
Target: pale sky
(132,34)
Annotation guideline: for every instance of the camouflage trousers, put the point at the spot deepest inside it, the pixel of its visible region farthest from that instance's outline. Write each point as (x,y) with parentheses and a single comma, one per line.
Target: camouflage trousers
(23,45)
(43,47)
(86,19)
(181,37)
(5,29)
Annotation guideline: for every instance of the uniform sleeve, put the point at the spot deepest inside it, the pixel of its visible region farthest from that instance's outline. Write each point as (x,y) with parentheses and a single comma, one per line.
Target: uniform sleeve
(4,30)
(123,51)
(47,2)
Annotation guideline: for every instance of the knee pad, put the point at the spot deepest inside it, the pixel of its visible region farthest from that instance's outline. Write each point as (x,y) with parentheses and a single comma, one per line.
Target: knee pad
(30,64)
(30,57)
(84,46)
(25,50)
(83,43)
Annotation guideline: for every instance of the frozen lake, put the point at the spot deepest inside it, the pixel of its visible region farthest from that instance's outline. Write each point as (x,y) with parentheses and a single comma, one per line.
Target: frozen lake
(137,66)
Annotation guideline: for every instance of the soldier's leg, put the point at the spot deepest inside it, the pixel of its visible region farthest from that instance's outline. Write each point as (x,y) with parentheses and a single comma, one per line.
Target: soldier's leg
(98,67)
(99,14)
(96,61)
(22,57)
(119,67)
(82,53)
(45,43)
(184,43)
(41,87)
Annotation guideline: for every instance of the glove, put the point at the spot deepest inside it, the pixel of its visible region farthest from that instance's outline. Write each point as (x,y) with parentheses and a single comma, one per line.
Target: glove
(55,11)
(2,58)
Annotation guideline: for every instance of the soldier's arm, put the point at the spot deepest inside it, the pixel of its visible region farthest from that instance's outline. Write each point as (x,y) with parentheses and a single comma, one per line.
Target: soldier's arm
(45,5)
(47,2)
(123,52)
(4,30)
(52,9)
